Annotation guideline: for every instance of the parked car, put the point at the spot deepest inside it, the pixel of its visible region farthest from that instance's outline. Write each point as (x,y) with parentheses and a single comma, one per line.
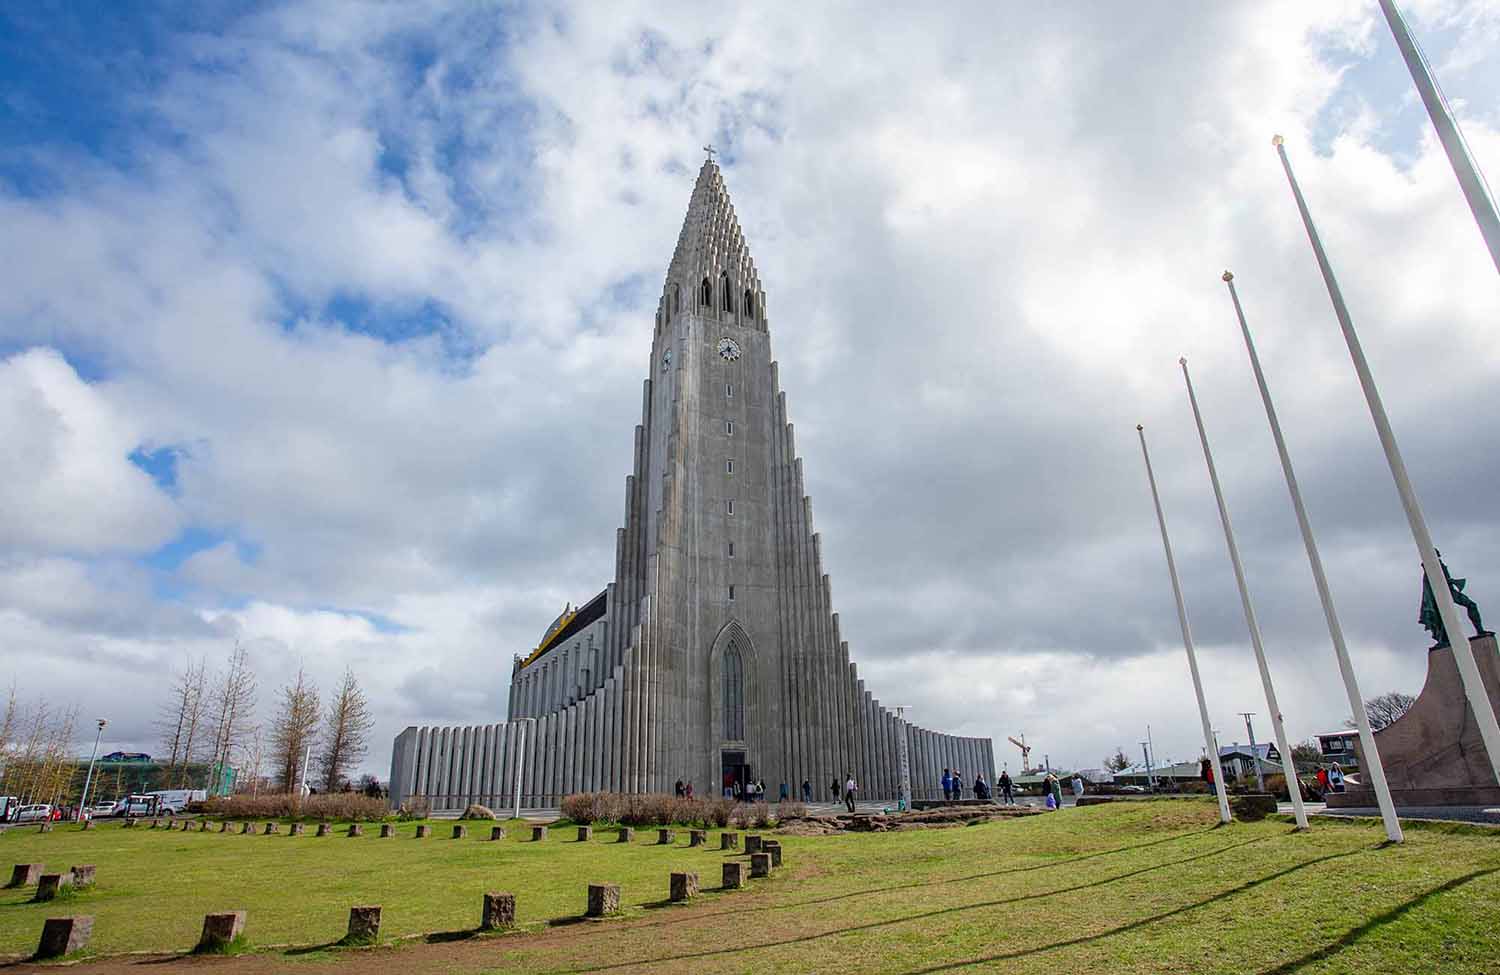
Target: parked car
(8,807)
(174,801)
(37,812)
(142,805)
(101,809)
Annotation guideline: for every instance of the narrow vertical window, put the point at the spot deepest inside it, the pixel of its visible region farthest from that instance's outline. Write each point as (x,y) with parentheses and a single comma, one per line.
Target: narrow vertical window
(728,294)
(729,467)
(729,390)
(729,427)
(731,550)
(708,294)
(734,694)
(731,593)
(730,504)
(749,306)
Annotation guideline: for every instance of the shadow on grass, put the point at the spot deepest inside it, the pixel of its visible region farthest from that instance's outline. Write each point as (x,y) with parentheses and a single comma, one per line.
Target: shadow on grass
(999,902)
(1378,921)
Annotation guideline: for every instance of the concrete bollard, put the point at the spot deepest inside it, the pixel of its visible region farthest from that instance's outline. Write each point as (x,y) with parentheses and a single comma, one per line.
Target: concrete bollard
(538,833)
(760,865)
(203,825)
(46,827)
(773,847)
(25,874)
(734,874)
(497,832)
(224,826)
(50,885)
(130,822)
(604,900)
(460,832)
(296,830)
(684,886)
(221,930)
(64,936)
(364,925)
(424,831)
(729,841)
(697,837)
(499,911)
(752,842)
(387,830)
(585,833)
(324,829)
(664,837)
(89,824)
(246,829)
(83,875)
(627,835)
(355,829)
(272,828)
(154,823)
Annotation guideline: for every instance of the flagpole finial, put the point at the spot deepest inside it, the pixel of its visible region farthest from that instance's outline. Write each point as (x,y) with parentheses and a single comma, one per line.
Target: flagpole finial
(1182,360)
(1277,140)
(1228,277)
(1139,428)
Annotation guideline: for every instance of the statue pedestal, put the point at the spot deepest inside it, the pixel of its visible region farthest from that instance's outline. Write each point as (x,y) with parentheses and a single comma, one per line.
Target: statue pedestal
(1433,755)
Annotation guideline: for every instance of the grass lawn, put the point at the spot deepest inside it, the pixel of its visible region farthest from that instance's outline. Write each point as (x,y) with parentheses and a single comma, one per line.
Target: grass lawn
(1123,888)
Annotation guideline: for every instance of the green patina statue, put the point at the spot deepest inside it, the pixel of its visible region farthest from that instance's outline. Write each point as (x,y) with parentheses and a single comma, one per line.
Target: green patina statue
(1432,620)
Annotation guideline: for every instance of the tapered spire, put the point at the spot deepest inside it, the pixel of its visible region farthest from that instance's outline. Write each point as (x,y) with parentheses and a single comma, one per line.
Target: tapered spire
(711,247)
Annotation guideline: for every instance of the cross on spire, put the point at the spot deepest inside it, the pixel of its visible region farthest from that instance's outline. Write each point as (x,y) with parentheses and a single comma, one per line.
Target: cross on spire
(710,150)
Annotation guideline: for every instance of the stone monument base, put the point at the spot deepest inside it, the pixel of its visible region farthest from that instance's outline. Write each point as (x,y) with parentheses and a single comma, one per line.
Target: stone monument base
(1432,754)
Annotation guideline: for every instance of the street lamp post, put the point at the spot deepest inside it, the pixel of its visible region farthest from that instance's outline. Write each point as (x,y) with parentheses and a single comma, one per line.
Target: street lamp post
(88,780)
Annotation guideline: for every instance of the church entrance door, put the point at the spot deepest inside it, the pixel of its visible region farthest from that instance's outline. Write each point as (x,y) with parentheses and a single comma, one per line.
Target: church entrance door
(735,773)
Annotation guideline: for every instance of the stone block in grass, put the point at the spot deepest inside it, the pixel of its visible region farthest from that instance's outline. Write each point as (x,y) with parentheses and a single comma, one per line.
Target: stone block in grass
(89,824)
(729,841)
(296,830)
(324,829)
(697,837)
(684,885)
(538,833)
(45,827)
(585,833)
(760,865)
(272,828)
(221,932)
(752,842)
(25,874)
(424,831)
(627,835)
(773,847)
(50,885)
(604,900)
(460,832)
(499,911)
(664,837)
(246,829)
(364,925)
(83,875)
(204,825)
(734,874)
(224,826)
(497,832)
(64,936)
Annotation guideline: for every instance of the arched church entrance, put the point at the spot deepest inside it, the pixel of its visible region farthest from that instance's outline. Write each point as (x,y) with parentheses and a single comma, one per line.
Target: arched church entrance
(731,666)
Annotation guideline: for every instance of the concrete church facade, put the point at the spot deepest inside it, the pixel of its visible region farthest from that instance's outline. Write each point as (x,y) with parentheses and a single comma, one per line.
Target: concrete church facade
(715,654)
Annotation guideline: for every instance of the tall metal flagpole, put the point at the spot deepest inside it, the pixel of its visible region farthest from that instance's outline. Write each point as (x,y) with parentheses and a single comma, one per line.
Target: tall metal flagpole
(1375,769)
(1260,653)
(1470,180)
(1463,654)
(1187,637)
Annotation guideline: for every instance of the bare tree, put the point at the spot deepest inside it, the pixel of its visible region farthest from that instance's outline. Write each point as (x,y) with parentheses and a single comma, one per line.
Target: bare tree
(233,707)
(294,729)
(180,721)
(1117,762)
(1384,709)
(346,732)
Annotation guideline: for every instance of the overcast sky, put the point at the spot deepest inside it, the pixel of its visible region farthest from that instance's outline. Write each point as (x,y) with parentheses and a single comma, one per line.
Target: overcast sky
(322,328)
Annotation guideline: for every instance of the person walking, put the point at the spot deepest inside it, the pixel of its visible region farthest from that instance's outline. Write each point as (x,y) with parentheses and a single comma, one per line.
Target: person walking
(833,787)
(958,786)
(1077,786)
(1323,781)
(1336,778)
(783,792)
(981,787)
(806,791)
(947,786)
(1007,788)
(849,790)
(678,790)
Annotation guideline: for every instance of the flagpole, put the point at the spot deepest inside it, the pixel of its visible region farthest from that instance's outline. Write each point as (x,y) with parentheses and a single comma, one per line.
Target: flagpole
(1463,654)
(1470,180)
(1288,764)
(1187,637)
(1320,581)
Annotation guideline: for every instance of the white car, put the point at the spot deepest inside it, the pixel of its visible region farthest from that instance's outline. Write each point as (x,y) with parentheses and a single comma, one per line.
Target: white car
(37,812)
(101,809)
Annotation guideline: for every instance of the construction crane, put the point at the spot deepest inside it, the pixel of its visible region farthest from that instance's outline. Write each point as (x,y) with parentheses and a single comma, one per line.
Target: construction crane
(1025,752)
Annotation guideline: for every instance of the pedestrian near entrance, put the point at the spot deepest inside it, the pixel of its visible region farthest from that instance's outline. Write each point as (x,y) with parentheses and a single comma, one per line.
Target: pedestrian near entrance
(1323,780)
(1336,778)
(1007,788)
(947,785)
(958,785)
(1077,785)
(783,792)
(981,787)
(806,791)
(849,790)
(833,787)
(678,790)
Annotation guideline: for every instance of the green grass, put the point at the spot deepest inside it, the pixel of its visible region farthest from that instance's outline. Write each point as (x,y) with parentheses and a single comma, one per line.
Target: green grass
(1137,887)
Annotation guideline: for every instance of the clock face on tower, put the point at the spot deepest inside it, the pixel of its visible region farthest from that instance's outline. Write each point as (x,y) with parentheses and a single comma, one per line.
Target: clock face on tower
(729,349)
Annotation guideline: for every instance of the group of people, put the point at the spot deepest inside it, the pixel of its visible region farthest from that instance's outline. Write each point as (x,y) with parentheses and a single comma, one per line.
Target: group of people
(1052,789)
(752,791)
(953,785)
(1331,779)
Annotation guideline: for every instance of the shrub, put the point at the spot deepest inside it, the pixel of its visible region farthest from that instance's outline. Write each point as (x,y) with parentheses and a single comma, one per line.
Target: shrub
(650,809)
(414,808)
(790,810)
(348,806)
(476,811)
